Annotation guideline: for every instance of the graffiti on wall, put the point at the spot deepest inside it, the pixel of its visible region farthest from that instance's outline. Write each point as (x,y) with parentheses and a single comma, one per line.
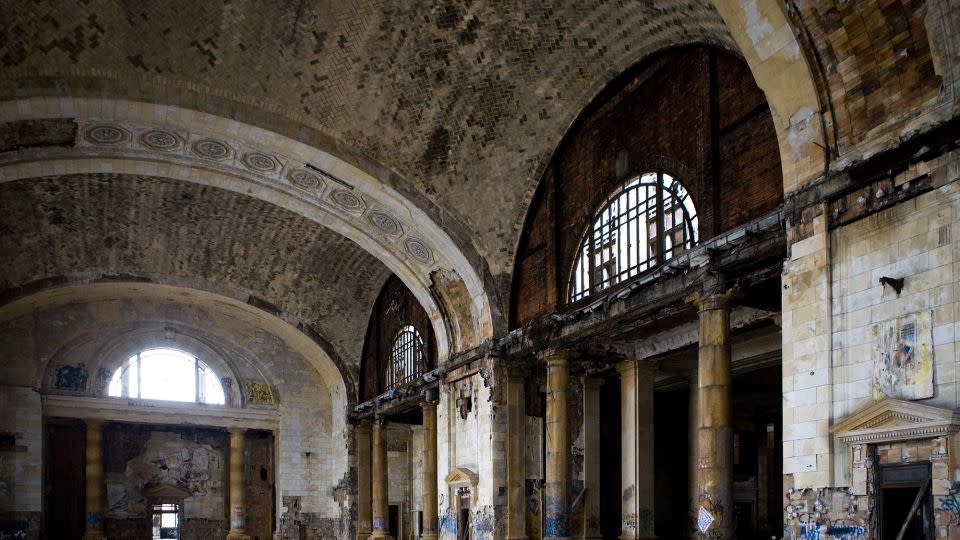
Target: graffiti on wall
(948,512)
(71,377)
(555,518)
(821,514)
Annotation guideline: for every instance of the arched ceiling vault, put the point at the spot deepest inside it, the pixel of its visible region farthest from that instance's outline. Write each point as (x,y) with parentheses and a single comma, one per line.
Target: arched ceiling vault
(96,227)
(441,115)
(457,106)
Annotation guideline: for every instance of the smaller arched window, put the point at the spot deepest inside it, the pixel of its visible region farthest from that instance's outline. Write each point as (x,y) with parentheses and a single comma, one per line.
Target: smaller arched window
(167,374)
(647,221)
(407,357)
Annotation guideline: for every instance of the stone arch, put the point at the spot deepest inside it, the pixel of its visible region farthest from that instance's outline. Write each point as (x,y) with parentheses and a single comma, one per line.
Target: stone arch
(172,142)
(113,342)
(766,40)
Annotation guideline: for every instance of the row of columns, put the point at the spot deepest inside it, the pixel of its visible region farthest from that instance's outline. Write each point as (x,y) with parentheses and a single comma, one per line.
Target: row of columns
(711,442)
(94,495)
(372,481)
(713,458)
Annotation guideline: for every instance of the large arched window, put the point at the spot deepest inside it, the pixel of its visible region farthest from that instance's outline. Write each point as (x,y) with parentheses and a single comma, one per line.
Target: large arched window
(647,221)
(407,357)
(167,374)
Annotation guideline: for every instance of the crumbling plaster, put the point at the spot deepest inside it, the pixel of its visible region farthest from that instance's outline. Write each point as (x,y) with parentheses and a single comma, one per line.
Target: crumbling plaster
(310,392)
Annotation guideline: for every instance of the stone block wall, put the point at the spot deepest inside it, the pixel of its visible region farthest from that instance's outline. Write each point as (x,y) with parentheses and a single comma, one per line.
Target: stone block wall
(21,441)
(835,311)
(476,443)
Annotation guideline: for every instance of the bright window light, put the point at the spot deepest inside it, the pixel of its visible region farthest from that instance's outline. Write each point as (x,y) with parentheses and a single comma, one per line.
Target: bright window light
(167,374)
(647,221)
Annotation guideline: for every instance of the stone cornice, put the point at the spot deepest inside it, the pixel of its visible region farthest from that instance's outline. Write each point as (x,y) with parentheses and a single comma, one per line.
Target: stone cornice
(159,412)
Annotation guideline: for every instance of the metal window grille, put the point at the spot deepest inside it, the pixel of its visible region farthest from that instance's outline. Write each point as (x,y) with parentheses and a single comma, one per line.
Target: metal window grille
(649,220)
(407,358)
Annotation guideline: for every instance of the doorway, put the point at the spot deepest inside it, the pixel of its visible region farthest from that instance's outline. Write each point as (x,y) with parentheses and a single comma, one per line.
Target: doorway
(166,521)
(906,497)
(463,515)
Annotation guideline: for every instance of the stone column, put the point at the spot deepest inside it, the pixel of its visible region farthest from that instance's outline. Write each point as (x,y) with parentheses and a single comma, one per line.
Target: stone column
(362,433)
(557,504)
(591,457)
(516,477)
(94,481)
(238,517)
(636,448)
(378,480)
(430,522)
(715,432)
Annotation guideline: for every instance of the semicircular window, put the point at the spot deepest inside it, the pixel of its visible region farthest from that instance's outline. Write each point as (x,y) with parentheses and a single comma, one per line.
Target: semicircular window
(167,374)
(407,357)
(648,220)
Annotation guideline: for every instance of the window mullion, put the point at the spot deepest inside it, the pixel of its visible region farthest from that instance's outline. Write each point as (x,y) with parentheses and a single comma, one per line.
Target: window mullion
(661,241)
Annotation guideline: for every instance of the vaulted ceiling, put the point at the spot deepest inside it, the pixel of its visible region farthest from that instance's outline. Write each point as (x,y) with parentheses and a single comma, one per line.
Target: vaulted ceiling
(449,109)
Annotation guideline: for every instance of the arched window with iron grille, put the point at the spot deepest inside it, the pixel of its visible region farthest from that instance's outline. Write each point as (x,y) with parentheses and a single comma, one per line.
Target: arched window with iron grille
(407,357)
(648,220)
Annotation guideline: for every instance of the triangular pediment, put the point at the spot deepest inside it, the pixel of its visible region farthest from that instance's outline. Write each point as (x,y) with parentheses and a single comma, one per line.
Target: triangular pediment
(896,420)
(462,477)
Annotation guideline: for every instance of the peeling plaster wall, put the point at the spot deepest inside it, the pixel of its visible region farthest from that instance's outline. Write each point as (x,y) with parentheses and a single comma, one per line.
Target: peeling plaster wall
(312,448)
(834,311)
(477,443)
(195,460)
(20,461)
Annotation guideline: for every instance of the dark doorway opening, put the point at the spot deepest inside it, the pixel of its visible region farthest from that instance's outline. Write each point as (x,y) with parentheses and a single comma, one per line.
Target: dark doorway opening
(900,486)
(610,481)
(463,516)
(393,520)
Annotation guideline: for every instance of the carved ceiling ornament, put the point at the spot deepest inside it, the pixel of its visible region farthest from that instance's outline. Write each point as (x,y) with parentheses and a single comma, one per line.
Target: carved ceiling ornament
(272,168)
(894,420)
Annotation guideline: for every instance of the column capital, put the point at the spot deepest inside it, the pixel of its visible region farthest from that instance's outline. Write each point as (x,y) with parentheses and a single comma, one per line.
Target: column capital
(557,356)
(635,365)
(706,302)
(592,383)
(430,396)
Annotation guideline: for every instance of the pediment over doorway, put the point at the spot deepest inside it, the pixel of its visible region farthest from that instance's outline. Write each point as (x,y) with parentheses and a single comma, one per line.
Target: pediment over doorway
(896,420)
(462,477)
